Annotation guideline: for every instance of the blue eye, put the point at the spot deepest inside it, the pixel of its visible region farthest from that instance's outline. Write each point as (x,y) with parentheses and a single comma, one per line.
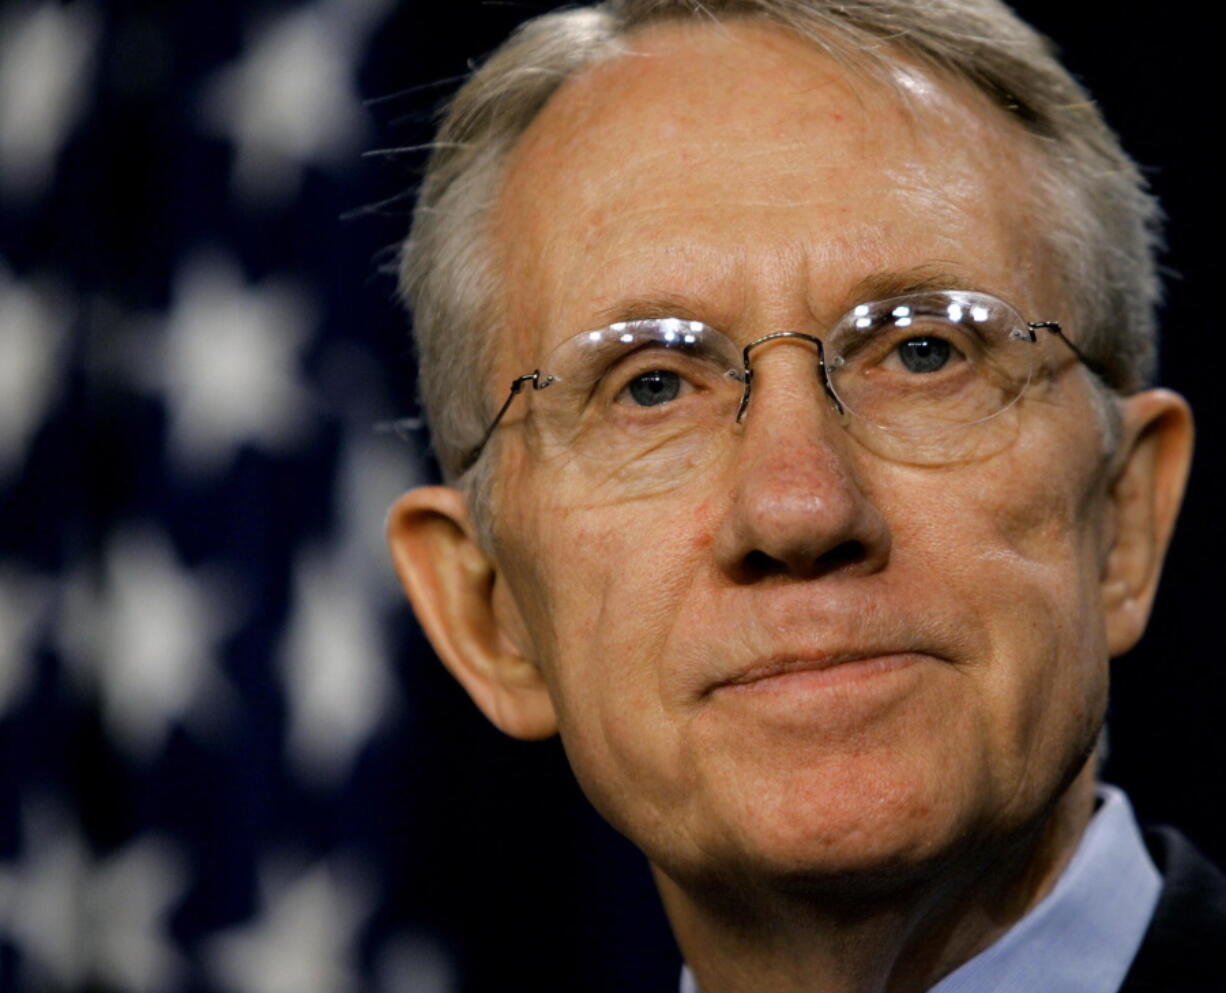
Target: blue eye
(655,387)
(924,354)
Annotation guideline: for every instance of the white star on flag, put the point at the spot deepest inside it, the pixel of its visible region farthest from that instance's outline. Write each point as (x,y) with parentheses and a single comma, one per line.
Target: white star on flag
(414,963)
(40,900)
(303,940)
(230,370)
(146,640)
(46,61)
(34,321)
(292,99)
(374,470)
(334,664)
(23,602)
(74,918)
(130,896)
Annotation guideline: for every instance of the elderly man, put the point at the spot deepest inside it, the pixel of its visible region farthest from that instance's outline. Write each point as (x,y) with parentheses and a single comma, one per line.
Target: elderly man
(787,361)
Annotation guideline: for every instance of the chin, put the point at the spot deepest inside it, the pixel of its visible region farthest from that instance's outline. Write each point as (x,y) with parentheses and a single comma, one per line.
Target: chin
(859,836)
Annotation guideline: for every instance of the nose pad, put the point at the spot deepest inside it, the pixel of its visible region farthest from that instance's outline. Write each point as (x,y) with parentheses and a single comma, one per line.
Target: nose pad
(823,374)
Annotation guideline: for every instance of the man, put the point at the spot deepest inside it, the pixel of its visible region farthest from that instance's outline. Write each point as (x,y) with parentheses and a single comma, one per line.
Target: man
(787,361)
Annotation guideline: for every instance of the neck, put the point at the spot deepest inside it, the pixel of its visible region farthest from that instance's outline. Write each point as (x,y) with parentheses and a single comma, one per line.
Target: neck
(835,940)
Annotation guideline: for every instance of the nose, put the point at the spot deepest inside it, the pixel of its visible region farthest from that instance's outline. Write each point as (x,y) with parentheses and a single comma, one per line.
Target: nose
(798,505)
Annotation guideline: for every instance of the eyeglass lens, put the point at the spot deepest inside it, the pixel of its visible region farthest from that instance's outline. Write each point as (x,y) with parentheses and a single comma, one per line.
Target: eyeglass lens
(926,379)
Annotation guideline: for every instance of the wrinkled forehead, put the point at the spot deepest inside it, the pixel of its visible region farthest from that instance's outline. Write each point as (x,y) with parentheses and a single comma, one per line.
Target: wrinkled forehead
(708,162)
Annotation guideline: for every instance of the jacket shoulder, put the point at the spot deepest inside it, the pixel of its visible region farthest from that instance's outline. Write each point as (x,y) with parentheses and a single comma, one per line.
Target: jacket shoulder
(1184,949)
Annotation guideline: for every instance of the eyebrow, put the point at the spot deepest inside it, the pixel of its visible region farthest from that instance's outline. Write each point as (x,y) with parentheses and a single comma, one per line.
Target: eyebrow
(647,308)
(928,278)
(925,278)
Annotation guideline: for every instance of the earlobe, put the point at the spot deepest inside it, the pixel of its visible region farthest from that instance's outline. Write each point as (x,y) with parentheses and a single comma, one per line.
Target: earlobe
(1151,469)
(472,624)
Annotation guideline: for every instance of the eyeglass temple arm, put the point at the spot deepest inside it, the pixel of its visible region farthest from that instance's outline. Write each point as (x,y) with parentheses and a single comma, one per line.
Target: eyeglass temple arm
(1054,328)
(538,382)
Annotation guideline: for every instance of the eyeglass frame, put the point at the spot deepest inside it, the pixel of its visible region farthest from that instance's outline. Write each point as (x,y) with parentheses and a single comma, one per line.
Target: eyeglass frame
(540,381)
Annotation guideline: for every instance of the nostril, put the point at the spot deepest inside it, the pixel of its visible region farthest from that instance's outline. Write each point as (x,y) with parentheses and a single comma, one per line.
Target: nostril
(759,564)
(847,553)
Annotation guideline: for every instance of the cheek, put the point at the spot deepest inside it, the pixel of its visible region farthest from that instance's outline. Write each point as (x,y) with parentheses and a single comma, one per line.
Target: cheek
(606,583)
(1029,518)
(1026,566)
(612,585)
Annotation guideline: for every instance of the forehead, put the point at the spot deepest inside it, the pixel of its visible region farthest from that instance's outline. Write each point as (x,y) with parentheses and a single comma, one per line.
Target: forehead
(738,173)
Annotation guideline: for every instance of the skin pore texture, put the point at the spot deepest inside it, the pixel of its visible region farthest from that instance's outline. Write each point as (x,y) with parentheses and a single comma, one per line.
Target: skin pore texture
(844,704)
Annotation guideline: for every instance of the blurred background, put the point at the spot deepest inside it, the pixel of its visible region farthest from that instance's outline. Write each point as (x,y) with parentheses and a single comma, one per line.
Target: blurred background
(228,760)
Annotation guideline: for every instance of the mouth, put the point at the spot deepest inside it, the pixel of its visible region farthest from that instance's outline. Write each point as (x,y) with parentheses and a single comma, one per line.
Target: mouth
(781,674)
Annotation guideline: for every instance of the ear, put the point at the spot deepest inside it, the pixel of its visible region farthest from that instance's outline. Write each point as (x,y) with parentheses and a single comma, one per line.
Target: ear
(467,614)
(1151,468)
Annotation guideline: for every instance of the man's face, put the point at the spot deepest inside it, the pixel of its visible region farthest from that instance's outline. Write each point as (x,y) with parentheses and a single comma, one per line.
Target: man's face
(735,173)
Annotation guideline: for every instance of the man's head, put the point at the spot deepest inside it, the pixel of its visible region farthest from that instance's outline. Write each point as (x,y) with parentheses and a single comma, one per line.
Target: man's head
(1099,222)
(799,656)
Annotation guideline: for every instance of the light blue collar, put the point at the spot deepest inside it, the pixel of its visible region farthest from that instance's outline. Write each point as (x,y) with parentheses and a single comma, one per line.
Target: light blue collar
(1082,936)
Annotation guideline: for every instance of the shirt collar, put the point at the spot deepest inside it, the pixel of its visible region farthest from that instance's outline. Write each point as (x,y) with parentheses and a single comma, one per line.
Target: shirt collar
(1082,936)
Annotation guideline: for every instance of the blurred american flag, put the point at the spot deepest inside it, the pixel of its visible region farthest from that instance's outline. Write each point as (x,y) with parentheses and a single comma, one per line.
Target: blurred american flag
(228,761)
(196,616)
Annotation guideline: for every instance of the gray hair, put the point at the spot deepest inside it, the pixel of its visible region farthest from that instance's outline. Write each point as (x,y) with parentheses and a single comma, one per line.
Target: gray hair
(1102,226)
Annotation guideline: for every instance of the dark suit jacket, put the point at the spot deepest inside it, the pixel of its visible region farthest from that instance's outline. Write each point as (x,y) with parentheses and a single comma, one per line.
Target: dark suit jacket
(1184,950)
